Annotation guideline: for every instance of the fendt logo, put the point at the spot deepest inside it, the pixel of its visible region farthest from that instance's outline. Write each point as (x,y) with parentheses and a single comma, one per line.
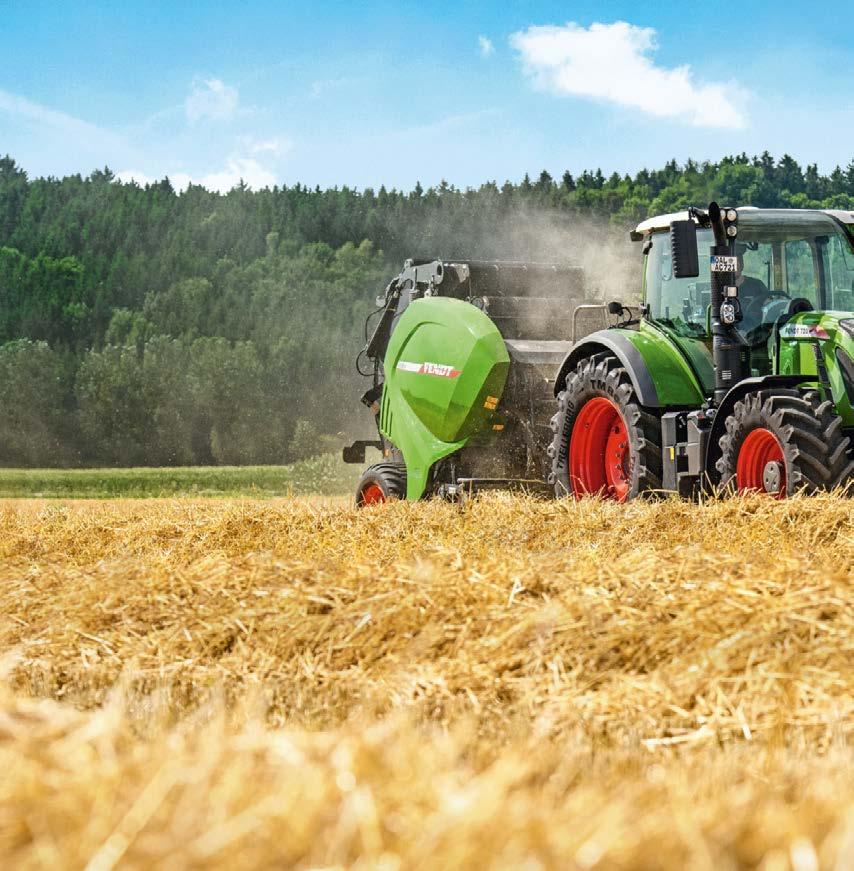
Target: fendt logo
(439,369)
(804,331)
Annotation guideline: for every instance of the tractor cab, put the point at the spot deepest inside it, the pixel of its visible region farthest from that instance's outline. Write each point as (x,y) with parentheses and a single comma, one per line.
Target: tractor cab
(789,261)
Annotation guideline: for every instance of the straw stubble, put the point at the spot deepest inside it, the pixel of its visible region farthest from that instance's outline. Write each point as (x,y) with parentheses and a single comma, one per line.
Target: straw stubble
(516,684)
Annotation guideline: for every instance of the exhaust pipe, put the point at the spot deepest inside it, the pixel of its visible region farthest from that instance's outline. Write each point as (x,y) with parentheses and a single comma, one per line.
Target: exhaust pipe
(730,351)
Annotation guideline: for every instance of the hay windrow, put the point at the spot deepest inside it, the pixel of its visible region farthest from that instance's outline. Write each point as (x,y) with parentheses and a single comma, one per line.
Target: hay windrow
(568,684)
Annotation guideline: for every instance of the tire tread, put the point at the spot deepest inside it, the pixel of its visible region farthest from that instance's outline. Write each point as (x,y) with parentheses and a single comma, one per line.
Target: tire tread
(817,454)
(603,374)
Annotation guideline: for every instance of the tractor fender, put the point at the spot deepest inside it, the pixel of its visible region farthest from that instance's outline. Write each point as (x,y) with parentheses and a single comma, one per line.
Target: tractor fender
(725,409)
(625,351)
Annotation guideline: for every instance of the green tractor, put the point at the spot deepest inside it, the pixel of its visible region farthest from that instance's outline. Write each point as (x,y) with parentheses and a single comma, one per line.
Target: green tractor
(735,372)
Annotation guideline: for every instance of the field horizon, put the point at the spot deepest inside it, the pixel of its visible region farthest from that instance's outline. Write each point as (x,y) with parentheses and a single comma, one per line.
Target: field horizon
(324,475)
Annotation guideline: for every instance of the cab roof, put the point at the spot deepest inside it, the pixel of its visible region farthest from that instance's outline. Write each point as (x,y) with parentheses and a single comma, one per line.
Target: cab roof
(662,222)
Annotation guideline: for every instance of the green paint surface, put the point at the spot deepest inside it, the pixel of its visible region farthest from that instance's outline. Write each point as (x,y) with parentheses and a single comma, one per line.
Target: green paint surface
(797,340)
(445,359)
(675,382)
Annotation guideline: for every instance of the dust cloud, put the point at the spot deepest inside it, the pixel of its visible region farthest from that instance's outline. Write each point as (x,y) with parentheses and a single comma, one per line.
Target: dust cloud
(610,261)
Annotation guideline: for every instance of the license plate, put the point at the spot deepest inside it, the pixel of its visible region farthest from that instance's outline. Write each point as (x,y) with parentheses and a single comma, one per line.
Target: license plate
(723,263)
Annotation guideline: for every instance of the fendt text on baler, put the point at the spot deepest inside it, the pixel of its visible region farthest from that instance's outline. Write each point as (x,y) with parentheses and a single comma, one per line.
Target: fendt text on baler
(736,371)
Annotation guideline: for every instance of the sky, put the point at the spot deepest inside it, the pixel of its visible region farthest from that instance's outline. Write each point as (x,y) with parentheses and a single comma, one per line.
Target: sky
(373,92)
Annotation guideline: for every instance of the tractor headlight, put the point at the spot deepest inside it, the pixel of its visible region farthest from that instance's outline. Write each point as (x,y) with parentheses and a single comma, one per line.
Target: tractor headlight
(731,215)
(848,326)
(732,231)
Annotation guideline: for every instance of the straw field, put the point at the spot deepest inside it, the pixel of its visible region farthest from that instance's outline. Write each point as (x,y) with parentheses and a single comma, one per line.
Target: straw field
(515,684)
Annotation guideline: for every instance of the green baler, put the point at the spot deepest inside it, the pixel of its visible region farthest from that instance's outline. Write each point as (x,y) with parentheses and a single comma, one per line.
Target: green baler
(736,371)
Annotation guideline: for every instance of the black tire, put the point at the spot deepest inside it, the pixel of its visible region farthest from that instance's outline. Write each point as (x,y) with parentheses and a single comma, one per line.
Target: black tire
(389,479)
(815,452)
(602,375)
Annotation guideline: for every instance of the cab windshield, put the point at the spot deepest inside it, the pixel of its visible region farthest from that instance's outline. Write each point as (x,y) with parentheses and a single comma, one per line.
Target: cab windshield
(786,256)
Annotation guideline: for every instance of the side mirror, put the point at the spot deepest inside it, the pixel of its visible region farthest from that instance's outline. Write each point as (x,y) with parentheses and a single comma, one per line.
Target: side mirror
(615,308)
(683,249)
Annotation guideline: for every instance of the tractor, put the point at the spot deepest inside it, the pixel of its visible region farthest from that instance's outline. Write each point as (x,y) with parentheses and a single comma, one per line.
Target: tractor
(735,372)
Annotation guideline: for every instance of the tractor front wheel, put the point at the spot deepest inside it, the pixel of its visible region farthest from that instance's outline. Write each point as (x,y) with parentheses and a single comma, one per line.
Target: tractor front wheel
(381,482)
(604,443)
(781,442)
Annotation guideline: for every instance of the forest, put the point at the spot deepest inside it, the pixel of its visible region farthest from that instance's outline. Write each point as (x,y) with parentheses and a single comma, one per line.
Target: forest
(150,326)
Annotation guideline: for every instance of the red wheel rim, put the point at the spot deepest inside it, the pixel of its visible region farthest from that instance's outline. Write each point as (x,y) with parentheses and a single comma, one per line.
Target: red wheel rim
(599,452)
(760,448)
(372,494)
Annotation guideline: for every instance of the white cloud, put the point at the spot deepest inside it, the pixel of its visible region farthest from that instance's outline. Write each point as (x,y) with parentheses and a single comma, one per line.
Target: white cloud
(276,147)
(612,62)
(251,171)
(25,108)
(129,175)
(213,99)
(90,137)
(447,124)
(486,46)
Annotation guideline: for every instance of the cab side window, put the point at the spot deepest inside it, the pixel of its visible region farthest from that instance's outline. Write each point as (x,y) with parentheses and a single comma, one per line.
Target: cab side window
(800,270)
(839,268)
(679,302)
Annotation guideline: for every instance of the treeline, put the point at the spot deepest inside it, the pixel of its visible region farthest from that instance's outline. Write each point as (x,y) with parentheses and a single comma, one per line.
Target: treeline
(247,365)
(147,326)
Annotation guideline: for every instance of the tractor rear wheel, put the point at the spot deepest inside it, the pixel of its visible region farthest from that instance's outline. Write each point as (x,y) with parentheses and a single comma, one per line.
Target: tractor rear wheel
(604,442)
(782,442)
(381,482)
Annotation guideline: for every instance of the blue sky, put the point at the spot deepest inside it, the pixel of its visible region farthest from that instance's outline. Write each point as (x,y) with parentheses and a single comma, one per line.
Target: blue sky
(365,93)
